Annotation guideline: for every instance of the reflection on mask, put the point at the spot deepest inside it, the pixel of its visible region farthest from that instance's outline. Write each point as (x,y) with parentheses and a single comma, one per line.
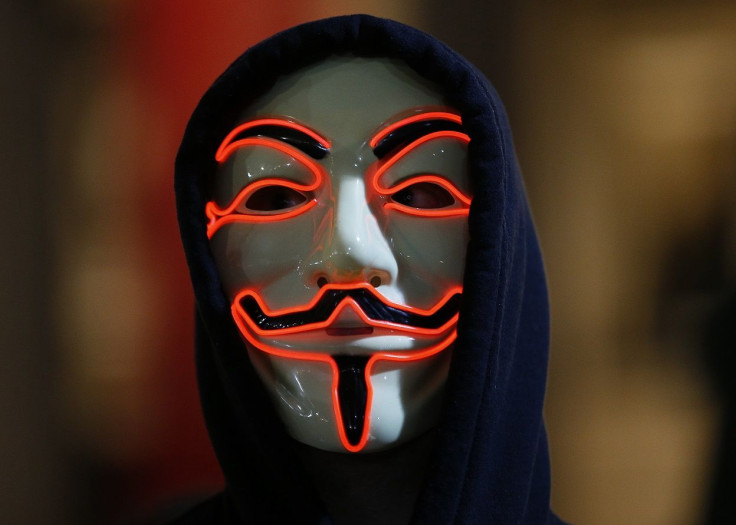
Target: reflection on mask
(339,227)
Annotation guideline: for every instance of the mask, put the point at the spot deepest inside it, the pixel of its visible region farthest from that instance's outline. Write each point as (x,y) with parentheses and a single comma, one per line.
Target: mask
(338,223)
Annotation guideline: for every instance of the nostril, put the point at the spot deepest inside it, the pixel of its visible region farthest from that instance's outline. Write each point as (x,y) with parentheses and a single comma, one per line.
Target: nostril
(321,281)
(375,281)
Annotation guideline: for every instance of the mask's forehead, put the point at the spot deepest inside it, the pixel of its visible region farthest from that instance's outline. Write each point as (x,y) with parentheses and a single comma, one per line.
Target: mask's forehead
(346,98)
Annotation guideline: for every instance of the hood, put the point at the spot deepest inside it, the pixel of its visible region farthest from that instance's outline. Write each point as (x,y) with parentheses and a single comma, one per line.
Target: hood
(490,463)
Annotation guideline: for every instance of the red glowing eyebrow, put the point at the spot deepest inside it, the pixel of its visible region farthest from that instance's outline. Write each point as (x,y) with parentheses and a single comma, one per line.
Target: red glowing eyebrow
(421,117)
(231,141)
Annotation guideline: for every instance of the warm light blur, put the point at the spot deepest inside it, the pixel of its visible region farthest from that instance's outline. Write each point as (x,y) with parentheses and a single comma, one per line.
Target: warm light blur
(624,117)
(628,139)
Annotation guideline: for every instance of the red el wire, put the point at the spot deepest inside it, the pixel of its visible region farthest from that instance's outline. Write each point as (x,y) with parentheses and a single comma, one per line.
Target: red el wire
(221,216)
(218,217)
(381,168)
(247,326)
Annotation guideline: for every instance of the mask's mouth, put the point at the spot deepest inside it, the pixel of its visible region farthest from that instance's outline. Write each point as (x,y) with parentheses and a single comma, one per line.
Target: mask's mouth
(328,310)
(351,312)
(348,322)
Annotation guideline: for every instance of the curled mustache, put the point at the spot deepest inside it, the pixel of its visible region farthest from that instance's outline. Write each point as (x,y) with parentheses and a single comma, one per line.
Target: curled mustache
(374,306)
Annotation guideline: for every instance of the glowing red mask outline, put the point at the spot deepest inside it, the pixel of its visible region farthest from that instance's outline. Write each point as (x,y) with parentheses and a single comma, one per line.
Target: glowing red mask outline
(227,146)
(245,325)
(380,168)
(344,303)
(218,217)
(430,115)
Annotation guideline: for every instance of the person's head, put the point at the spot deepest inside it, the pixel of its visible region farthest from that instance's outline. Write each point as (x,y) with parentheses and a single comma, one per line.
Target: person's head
(341,325)
(338,224)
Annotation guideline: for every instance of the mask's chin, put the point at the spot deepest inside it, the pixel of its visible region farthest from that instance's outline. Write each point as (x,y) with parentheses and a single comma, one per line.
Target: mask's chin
(329,406)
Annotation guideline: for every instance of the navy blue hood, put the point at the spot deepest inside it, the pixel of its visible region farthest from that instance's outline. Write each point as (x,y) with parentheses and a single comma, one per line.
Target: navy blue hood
(490,463)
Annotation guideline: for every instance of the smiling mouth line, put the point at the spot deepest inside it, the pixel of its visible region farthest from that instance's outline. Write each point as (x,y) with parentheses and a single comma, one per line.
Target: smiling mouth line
(368,303)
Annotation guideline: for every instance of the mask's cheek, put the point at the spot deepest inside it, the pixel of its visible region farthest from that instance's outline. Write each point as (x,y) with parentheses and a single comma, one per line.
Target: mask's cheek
(430,253)
(302,394)
(269,257)
(407,396)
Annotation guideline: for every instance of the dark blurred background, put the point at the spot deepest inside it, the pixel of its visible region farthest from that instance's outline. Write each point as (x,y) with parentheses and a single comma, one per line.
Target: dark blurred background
(624,115)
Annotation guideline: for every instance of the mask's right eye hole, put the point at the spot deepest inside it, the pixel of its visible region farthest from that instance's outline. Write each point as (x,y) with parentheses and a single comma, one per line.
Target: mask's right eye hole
(274,198)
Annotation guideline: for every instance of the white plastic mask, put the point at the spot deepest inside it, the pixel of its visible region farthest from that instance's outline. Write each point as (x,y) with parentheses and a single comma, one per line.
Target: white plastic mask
(338,223)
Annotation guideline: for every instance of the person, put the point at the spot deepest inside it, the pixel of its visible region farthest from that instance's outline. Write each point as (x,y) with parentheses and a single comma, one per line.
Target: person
(372,324)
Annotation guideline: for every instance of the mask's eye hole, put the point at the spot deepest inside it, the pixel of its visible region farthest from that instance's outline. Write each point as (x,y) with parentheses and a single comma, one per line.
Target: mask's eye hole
(274,198)
(424,195)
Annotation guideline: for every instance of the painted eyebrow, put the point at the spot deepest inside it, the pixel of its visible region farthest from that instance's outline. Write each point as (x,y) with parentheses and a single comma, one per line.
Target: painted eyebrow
(291,133)
(405,131)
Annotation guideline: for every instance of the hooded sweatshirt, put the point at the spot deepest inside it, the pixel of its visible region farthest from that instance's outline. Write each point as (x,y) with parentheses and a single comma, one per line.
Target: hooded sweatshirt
(487,461)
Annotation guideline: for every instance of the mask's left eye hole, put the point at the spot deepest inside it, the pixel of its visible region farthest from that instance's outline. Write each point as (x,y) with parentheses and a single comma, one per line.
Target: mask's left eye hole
(424,195)
(274,198)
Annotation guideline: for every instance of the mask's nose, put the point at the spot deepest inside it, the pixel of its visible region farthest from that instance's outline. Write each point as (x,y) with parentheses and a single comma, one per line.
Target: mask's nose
(355,249)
